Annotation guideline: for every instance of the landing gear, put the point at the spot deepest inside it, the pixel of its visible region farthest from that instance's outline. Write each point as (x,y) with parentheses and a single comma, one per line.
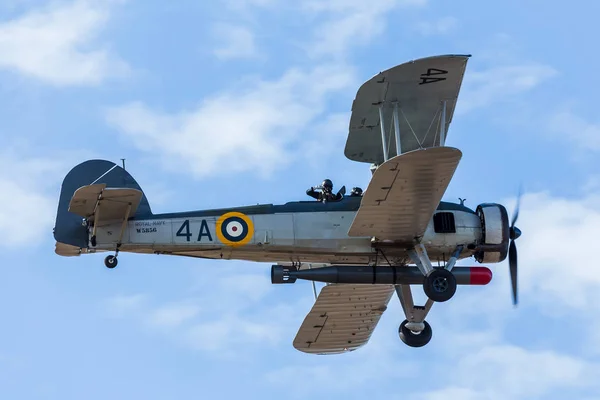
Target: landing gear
(110,261)
(440,285)
(414,331)
(415,338)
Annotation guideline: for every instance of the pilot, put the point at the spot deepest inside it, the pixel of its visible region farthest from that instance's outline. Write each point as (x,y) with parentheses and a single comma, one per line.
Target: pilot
(356,191)
(326,193)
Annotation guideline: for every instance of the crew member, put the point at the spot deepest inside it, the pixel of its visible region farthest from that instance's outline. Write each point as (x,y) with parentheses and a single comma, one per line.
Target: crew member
(326,192)
(356,191)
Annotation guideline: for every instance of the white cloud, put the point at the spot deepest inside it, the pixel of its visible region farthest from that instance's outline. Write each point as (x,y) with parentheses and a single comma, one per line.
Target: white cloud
(10,5)
(569,126)
(237,130)
(503,371)
(553,250)
(173,315)
(256,127)
(451,392)
(225,335)
(24,213)
(338,6)
(26,210)
(248,287)
(244,5)
(334,26)
(215,317)
(350,23)
(441,26)
(344,373)
(592,184)
(30,185)
(124,305)
(55,45)
(329,133)
(482,88)
(236,41)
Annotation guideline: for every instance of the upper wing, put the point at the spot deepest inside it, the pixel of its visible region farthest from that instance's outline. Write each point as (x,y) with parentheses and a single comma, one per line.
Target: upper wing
(403,194)
(419,87)
(343,318)
(99,203)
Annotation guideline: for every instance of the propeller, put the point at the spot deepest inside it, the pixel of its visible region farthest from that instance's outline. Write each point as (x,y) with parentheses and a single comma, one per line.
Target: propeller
(514,234)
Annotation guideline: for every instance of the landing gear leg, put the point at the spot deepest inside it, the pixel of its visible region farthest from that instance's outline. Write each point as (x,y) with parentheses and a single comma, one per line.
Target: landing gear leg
(439,285)
(111,261)
(414,331)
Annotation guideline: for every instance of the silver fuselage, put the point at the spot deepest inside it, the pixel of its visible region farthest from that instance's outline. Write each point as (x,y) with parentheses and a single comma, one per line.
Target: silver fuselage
(315,237)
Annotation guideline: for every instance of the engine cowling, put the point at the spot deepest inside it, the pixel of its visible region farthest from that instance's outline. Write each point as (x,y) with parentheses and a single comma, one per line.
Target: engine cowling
(493,245)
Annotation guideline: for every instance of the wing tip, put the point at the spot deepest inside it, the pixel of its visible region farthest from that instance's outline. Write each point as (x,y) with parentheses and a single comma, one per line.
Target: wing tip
(448,55)
(328,352)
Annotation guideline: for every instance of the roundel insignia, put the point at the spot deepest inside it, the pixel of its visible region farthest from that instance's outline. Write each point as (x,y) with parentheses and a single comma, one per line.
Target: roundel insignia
(234,229)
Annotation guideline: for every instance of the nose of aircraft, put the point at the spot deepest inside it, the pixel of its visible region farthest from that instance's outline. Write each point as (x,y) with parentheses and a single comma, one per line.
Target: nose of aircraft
(515,233)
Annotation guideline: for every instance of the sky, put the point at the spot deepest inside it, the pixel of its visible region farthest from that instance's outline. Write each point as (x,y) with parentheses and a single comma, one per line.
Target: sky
(238,102)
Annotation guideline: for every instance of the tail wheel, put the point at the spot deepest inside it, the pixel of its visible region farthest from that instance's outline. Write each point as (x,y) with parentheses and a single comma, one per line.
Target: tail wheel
(110,261)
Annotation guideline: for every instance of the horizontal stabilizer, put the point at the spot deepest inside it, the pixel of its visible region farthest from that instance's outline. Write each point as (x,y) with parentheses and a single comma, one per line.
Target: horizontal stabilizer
(97,202)
(67,250)
(403,194)
(343,318)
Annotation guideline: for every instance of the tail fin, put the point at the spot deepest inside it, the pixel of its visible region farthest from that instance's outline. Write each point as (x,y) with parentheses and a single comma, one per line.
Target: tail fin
(68,228)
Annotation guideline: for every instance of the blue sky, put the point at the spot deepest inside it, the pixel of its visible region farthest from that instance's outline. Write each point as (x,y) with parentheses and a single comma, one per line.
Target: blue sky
(241,102)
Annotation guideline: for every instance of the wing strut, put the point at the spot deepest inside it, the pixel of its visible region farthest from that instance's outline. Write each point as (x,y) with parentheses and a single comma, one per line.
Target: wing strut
(313,285)
(383,137)
(384,141)
(443,124)
(397,129)
(95,222)
(123,224)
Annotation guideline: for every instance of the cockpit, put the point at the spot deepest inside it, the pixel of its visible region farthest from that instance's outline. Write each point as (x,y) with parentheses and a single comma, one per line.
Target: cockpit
(324,192)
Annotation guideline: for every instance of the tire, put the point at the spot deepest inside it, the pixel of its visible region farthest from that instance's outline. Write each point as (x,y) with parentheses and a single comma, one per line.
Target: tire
(413,339)
(110,261)
(440,285)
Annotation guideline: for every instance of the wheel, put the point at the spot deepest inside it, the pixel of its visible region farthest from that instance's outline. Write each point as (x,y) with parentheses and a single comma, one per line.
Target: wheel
(415,339)
(93,241)
(440,285)
(110,261)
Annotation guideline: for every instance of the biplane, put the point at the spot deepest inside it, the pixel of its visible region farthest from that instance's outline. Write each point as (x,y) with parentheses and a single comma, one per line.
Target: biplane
(365,246)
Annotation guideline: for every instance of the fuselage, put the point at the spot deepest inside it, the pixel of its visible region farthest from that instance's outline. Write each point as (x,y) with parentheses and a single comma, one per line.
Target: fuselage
(305,231)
